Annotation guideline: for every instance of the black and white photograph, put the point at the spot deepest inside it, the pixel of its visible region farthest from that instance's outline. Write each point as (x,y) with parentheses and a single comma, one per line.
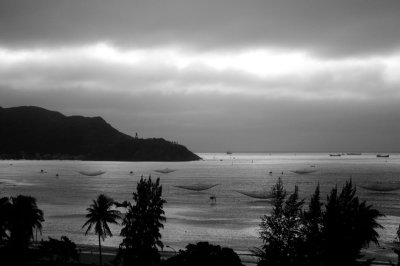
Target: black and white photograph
(199,132)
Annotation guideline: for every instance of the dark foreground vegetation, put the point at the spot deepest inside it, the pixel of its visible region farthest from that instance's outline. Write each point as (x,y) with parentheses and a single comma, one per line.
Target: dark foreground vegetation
(204,253)
(38,134)
(328,234)
(323,233)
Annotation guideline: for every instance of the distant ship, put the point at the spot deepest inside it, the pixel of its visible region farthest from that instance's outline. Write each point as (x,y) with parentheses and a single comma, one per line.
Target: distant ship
(354,153)
(229,152)
(335,154)
(382,155)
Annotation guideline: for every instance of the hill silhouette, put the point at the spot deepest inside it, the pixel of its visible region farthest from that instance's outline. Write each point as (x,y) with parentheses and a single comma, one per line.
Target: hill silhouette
(29,132)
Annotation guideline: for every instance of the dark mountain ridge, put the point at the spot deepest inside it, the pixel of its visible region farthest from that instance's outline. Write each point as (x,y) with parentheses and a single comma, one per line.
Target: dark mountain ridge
(29,132)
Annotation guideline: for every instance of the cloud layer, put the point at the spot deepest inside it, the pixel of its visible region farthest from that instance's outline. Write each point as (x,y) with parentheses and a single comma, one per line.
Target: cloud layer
(260,73)
(288,101)
(331,28)
(304,75)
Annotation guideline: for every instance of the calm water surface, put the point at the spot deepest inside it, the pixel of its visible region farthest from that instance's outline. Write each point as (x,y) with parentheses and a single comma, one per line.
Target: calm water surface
(191,217)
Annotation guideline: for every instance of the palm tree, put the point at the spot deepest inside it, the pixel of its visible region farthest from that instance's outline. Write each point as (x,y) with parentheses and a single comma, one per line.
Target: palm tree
(25,216)
(100,215)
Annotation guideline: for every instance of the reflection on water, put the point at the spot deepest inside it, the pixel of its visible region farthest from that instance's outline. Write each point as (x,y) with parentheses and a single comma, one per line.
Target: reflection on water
(191,216)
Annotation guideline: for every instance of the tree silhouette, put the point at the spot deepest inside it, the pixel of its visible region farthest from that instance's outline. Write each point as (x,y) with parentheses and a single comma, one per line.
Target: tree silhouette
(142,223)
(203,253)
(281,231)
(348,226)
(396,245)
(331,236)
(25,216)
(100,214)
(4,215)
(19,217)
(312,230)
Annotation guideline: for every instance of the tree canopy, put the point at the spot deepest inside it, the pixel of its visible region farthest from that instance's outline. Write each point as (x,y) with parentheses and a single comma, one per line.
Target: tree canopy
(142,223)
(331,233)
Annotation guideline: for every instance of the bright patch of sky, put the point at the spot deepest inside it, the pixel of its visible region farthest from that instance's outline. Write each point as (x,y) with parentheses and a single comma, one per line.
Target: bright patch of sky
(258,72)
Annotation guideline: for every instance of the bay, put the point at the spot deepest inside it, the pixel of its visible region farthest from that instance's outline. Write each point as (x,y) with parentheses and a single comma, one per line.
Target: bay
(64,194)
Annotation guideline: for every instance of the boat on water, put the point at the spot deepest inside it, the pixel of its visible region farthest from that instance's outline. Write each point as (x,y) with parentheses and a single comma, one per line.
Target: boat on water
(382,155)
(92,173)
(354,153)
(335,155)
(381,186)
(229,152)
(165,171)
(256,194)
(197,187)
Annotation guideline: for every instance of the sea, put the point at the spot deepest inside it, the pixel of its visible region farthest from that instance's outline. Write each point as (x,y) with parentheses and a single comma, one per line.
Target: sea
(232,220)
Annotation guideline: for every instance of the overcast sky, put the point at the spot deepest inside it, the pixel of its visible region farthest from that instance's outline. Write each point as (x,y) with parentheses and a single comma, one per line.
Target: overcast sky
(214,75)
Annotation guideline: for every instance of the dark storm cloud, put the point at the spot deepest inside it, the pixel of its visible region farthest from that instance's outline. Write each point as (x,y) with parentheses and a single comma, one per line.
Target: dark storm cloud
(340,27)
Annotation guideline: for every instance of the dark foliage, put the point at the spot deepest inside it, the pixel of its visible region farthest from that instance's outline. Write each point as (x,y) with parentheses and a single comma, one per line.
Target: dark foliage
(348,226)
(37,133)
(100,214)
(396,245)
(20,216)
(203,253)
(312,230)
(334,236)
(5,206)
(142,224)
(281,232)
(25,216)
(59,251)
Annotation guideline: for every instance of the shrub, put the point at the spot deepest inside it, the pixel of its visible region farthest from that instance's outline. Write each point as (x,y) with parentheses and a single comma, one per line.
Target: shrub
(60,251)
(203,253)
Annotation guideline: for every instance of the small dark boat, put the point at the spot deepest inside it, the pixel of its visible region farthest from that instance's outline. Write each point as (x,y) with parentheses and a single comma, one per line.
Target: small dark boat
(382,155)
(354,153)
(335,155)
